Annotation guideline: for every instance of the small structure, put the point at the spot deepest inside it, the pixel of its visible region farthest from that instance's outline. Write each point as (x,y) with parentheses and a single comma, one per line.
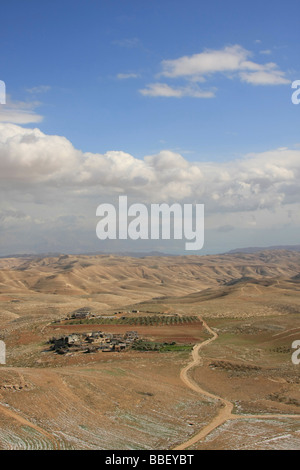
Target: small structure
(92,342)
(80,314)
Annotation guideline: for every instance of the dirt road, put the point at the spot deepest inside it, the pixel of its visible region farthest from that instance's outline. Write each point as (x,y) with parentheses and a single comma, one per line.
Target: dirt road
(225,412)
(226,406)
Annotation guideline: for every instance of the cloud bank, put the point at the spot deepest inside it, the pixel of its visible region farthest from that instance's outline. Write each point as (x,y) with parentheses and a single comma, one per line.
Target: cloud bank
(29,158)
(49,191)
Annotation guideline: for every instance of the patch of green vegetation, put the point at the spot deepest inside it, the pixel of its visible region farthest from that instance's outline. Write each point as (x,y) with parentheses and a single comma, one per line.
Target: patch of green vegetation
(234,340)
(115,372)
(176,347)
(143,345)
(146,394)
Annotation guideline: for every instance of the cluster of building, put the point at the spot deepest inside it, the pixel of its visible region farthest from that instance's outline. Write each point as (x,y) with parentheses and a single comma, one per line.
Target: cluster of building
(80,314)
(93,342)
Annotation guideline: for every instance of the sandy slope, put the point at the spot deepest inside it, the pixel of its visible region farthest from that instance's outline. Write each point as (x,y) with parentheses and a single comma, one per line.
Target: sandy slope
(135,399)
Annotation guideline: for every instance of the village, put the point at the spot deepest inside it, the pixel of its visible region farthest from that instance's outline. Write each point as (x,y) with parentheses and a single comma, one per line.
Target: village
(92,342)
(95,341)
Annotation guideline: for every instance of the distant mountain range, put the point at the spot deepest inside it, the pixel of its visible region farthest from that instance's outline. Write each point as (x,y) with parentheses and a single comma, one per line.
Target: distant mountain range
(250,250)
(132,254)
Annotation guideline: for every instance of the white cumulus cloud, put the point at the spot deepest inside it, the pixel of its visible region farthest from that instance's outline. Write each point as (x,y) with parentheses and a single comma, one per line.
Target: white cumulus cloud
(231,61)
(163,89)
(264,180)
(49,190)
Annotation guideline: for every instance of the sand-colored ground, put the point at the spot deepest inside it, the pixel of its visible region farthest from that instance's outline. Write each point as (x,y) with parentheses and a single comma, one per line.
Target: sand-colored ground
(238,389)
(225,413)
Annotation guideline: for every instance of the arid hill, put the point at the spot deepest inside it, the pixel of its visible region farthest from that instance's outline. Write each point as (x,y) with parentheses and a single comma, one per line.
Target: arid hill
(83,274)
(51,286)
(136,399)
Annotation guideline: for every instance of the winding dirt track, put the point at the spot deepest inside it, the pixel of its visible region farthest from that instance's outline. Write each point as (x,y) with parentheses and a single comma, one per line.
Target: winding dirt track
(225,413)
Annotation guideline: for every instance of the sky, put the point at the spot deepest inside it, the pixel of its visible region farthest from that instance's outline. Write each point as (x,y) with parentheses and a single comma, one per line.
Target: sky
(162,101)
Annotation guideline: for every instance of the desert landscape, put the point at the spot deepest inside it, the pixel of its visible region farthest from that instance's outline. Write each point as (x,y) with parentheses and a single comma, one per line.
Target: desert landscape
(208,367)
(149,228)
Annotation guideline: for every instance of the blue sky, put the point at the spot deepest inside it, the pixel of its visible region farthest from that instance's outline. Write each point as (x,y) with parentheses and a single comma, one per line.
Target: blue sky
(209,81)
(78,48)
